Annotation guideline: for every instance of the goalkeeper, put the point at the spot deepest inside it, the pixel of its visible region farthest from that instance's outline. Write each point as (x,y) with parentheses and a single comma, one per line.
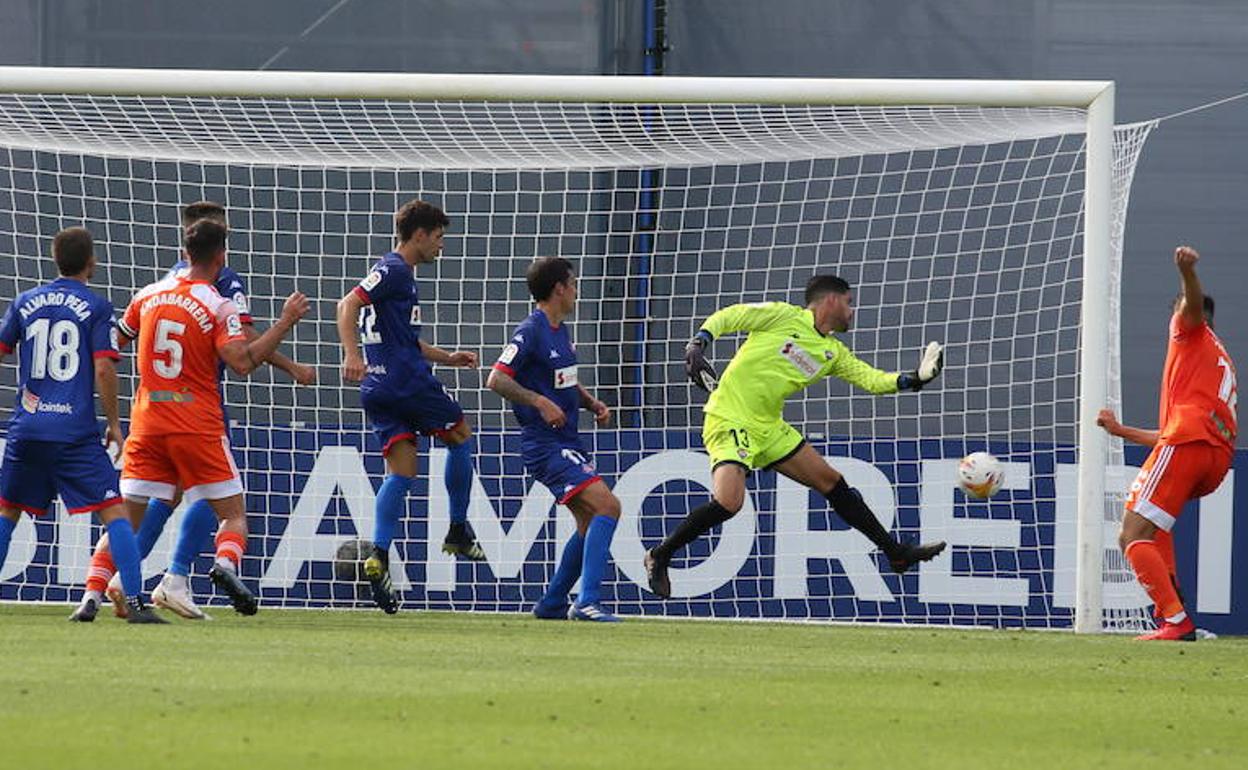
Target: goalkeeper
(788,349)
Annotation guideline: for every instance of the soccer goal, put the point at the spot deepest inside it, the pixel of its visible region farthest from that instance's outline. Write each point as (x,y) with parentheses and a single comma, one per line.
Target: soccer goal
(985,214)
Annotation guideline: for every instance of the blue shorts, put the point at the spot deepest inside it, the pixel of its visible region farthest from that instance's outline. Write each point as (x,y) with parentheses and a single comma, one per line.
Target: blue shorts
(35,471)
(563,467)
(430,411)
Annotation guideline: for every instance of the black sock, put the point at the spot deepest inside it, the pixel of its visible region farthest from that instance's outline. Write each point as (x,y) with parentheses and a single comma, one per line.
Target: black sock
(849,505)
(699,521)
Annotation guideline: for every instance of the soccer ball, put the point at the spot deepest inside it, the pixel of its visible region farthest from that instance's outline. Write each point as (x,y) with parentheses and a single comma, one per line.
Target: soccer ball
(980,475)
(349,560)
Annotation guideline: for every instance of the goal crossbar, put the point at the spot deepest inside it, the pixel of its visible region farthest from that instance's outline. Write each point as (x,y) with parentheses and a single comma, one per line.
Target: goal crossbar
(549,88)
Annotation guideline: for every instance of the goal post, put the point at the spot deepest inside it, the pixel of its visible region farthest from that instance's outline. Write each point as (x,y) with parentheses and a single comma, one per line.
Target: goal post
(960,209)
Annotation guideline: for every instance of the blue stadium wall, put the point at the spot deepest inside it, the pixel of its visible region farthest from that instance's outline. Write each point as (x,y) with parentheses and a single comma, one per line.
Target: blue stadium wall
(784,557)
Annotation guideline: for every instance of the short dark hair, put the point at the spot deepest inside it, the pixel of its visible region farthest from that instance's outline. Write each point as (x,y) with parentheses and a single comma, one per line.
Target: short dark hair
(1207,305)
(193,212)
(204,239)
(822,285)
(72,249)
(418,215)
(545,273)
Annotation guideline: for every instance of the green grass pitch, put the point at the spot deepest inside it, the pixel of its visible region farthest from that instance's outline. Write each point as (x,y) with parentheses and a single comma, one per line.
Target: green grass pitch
(292,689)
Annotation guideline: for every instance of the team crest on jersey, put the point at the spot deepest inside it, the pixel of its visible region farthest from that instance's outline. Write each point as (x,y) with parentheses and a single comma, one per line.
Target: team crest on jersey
(797,355)
(112,337)
(829,354)
(744,455)
(233,325)
(30,402)
(415,320)
(372,280)
(509,354)
(240,301)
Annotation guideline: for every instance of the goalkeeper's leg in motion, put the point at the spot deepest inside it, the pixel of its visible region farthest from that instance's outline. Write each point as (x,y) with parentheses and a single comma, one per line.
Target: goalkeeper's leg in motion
(802,464)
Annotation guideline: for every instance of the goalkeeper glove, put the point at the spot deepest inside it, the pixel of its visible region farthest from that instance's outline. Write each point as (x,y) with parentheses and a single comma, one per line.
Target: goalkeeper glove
(700,372)
(930,364)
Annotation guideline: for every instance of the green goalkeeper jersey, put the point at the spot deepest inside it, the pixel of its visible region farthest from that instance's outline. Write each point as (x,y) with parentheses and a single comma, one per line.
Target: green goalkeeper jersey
(783,354)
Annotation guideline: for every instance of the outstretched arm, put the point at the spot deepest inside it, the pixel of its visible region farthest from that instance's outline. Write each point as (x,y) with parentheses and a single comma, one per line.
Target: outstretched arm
(1192,308)
(1107,420)
(300,373)
(734,318)
(436,355)
(244,357)
(747,317)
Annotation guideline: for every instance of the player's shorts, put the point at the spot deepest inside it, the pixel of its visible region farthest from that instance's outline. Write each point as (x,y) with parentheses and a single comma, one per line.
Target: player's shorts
(563,467)
(430,411)
(157,464)
(727,441)
(1174,474)
(35,471)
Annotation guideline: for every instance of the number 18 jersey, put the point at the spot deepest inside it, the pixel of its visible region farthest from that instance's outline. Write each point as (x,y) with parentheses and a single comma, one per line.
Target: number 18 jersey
(180,325)
(58,329)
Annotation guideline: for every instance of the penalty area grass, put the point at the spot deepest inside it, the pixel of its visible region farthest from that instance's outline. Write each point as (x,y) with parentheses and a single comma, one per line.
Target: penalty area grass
(307,689)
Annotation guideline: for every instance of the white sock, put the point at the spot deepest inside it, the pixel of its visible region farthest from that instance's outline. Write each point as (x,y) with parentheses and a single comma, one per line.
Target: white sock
(1176,619)
(99,597)
(177,582)
(225,563)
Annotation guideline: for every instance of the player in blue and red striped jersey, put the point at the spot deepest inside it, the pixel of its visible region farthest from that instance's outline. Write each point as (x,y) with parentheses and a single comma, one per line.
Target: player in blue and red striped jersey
(399,393)
(53,443)
(537,373)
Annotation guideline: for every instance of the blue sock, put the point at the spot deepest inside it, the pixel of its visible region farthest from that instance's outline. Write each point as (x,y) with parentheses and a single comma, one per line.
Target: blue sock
(459,479)
(158,512)
(7,526)
(566,573)
(391,502)
(597,549)
(125,549)
(198,525)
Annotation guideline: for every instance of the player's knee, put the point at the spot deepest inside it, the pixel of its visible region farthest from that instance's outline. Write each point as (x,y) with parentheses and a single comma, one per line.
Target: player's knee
(610,506)
(731,501)
(1134,527)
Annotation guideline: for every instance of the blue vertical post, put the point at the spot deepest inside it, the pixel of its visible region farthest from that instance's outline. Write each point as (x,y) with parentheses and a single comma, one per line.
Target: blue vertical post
(647,197)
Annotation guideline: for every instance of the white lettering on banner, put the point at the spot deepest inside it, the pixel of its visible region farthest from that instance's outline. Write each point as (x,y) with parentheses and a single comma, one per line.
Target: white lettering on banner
(337,468)
(1115,594)
(937,583)
(796,542)
(506,551)
(1217,530)
(637,483)
(340,469)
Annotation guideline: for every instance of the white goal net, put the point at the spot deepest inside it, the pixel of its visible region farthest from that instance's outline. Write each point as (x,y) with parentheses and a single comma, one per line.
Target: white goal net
(963,224)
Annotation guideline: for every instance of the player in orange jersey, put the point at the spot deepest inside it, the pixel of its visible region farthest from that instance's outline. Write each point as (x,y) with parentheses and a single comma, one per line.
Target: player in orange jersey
(177,432)
(1192,450)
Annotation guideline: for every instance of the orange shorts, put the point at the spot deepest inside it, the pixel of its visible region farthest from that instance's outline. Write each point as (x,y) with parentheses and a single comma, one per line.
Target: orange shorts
(1174,474)
(156,465)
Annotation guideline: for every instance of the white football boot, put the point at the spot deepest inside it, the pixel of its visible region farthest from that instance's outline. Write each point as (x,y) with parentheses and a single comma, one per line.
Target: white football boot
(174,594)
(117,596)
